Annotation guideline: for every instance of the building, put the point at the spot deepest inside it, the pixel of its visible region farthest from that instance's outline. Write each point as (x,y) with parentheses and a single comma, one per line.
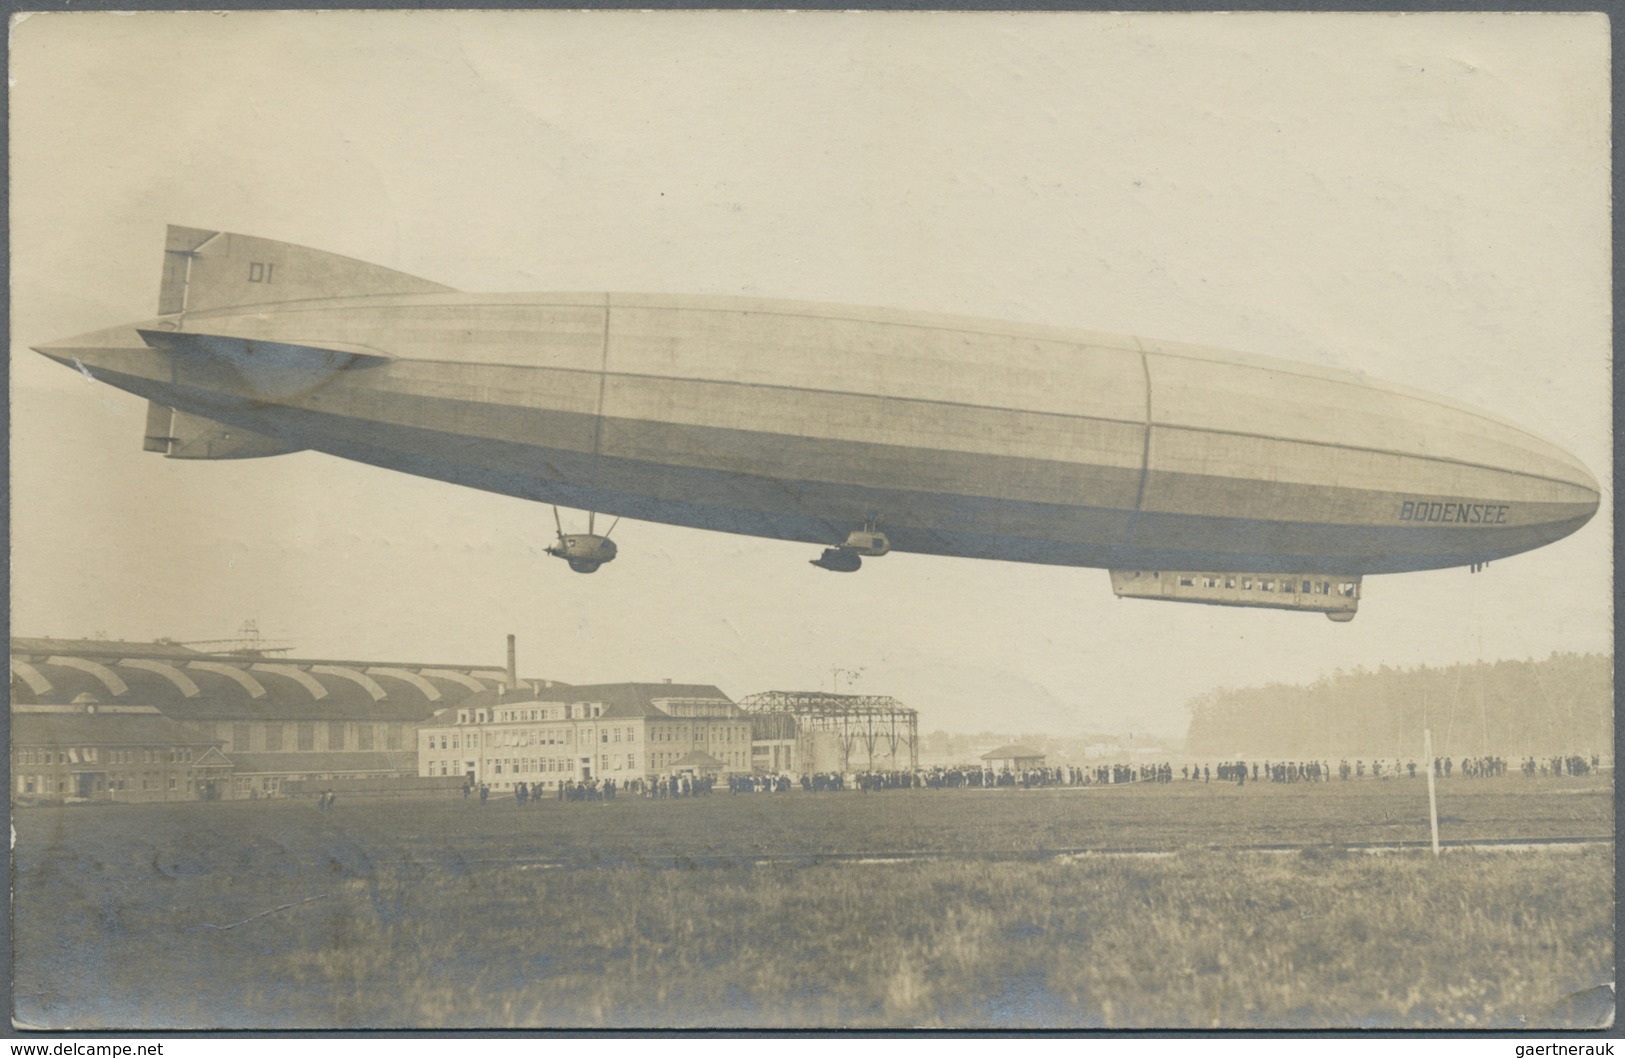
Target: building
(804,732)
(248,724)
(546,736)
(1013,758)
(88,752)
(275,720)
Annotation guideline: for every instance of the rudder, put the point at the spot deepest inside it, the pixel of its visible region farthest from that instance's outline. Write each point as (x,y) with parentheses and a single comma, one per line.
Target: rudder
(181,435)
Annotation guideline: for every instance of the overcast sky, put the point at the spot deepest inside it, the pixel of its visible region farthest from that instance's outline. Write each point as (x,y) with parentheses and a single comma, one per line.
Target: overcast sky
(1422,198)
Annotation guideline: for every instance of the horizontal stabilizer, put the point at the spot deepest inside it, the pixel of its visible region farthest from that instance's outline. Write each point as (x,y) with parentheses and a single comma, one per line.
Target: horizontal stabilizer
(180,435)
(206,270)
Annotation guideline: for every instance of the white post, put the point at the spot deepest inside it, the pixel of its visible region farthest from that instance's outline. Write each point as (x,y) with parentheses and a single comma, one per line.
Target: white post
(1433,798)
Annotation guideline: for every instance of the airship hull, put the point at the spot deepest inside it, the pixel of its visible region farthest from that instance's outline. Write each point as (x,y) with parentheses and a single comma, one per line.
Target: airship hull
(801,422)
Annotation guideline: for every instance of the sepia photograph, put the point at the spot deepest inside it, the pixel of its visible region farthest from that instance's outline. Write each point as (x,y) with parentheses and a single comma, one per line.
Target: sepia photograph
(768,520)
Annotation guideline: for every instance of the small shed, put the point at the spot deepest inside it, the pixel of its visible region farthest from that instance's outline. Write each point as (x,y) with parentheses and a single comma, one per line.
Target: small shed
(1013,758)
(696,762)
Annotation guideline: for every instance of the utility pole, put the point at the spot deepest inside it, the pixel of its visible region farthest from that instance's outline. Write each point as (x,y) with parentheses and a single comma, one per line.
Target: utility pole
(1433,798)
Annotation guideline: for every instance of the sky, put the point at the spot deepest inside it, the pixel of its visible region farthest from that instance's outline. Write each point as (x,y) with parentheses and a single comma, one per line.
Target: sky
(1423,198)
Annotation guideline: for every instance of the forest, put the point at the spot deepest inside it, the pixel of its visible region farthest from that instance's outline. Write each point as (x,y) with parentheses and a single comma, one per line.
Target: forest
(1514,709)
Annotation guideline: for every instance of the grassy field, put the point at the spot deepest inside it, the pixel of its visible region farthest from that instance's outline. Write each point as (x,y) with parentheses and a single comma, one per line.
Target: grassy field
(750,910)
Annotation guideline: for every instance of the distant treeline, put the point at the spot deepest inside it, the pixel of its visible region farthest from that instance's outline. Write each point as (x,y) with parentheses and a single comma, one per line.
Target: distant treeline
(1511,709)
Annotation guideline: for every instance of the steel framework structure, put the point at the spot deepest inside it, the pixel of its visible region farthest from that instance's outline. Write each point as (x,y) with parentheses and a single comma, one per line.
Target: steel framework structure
(854,719)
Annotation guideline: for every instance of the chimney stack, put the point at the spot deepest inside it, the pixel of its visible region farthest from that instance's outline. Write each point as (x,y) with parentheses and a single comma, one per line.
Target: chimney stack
(513,668)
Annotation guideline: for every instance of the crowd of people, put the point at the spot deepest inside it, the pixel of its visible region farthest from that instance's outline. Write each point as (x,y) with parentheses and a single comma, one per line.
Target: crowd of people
(762,783)
(681,786)
(1443,767)
(1570,765)
(964,777)
(597,790)
(1237,772)
(971,777)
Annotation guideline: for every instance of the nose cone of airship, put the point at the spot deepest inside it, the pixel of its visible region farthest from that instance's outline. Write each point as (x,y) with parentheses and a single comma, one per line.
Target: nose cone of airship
(1560,493)
(1586,499)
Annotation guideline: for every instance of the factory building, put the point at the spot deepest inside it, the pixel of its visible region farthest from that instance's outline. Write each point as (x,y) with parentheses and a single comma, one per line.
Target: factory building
(115,721)
(270,720)
(550,734)
(87,752)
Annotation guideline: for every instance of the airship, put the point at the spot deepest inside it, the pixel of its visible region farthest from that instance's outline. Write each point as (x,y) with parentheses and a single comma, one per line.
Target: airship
(1191,474)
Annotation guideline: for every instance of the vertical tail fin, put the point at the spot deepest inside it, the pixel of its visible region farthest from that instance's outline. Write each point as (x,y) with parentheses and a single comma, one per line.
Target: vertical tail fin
(181,435)
(217,269)
(160,431)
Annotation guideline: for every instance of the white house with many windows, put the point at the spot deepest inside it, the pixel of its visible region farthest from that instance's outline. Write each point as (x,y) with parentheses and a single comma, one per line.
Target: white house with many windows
(620,731)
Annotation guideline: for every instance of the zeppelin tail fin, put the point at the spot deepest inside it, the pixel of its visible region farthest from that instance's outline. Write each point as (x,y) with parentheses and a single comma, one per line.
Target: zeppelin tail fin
(218,269)
(181,435)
